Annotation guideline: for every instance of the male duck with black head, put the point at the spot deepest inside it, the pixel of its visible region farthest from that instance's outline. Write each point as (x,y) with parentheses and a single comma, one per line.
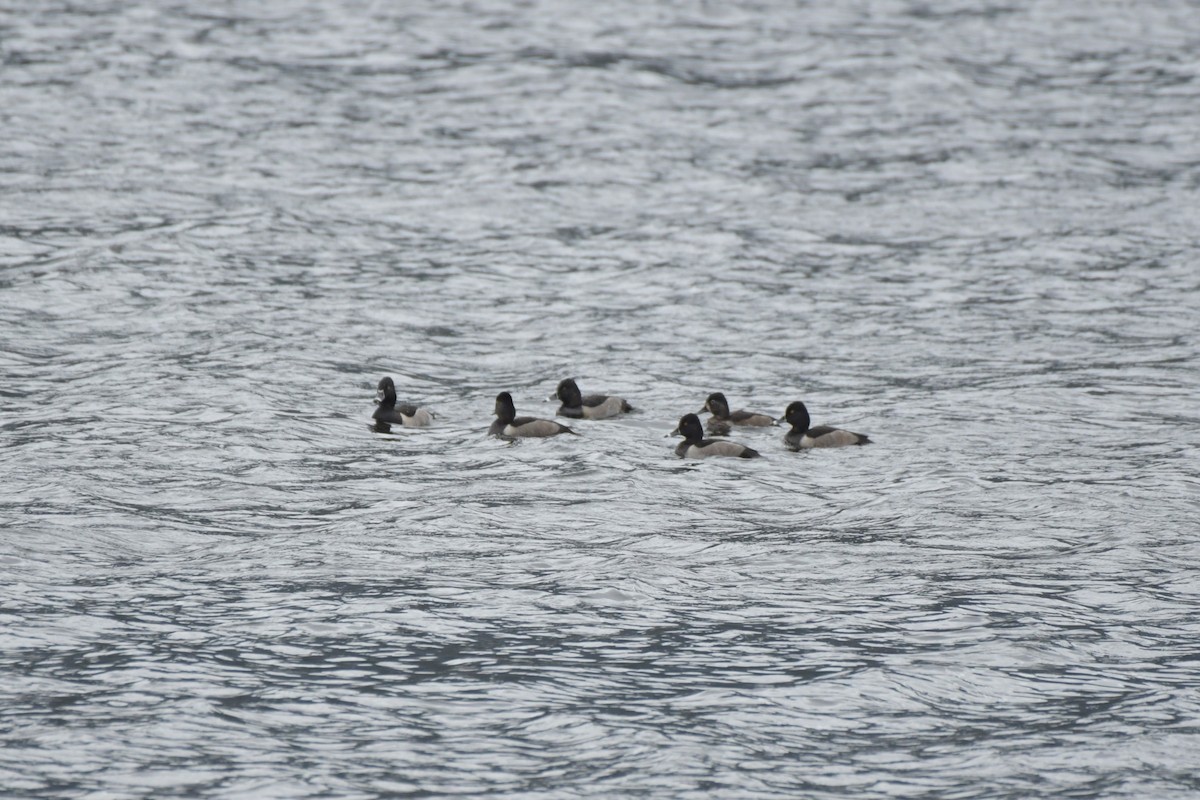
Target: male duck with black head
(576,405)
(387,413)
(802,437)
(509,426)
(722,417)
(694,445)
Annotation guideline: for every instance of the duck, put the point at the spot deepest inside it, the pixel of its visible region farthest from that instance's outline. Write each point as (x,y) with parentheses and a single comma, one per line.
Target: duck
(802,437)
(509,426)
(694,445)
(592,406)
(406,414)
(722,418)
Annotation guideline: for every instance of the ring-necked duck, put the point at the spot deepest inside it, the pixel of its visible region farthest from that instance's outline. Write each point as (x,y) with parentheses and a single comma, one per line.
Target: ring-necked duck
(509,426)
(694,445)
(722,417)
(404,414)
(593,406)
(802,437)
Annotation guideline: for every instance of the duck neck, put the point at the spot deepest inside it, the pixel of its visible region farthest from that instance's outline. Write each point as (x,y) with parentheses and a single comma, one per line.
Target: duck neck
(506,412)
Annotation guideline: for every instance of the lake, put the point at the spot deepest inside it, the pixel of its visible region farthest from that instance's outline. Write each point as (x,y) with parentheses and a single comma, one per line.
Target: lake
(967,230)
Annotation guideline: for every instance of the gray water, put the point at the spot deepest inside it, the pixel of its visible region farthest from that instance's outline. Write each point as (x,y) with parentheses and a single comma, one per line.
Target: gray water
(969,231)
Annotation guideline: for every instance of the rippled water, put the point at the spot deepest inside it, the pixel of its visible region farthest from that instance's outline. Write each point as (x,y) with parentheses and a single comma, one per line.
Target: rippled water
(966,230)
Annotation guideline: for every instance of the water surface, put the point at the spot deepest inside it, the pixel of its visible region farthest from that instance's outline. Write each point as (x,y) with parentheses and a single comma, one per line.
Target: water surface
(968,231)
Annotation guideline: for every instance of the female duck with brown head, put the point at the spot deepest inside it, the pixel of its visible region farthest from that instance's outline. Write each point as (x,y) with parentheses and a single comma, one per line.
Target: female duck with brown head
(722,418)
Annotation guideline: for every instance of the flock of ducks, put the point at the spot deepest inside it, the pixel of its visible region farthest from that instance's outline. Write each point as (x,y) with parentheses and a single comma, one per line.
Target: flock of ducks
(576,405)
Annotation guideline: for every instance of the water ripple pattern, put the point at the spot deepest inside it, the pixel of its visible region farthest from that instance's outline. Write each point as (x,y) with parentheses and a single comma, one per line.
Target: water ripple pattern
(965,229)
